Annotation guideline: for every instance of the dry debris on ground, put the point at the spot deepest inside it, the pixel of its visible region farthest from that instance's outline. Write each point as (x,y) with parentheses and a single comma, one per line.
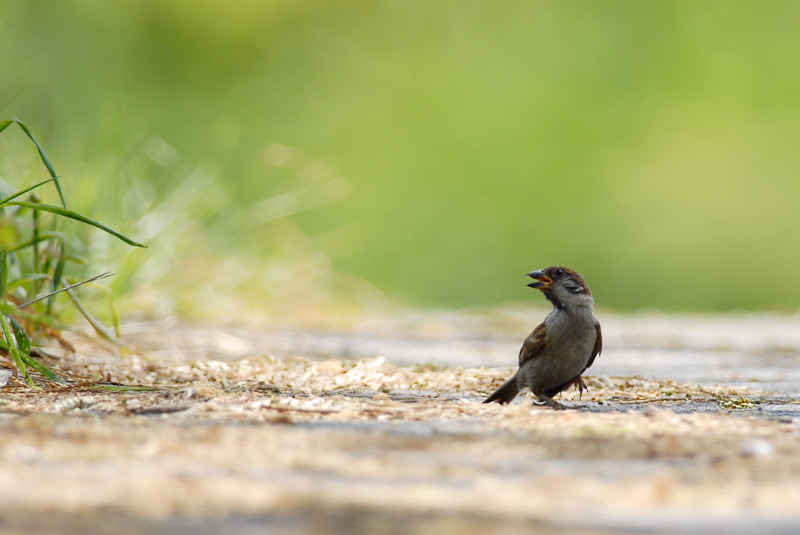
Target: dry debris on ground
(338,445)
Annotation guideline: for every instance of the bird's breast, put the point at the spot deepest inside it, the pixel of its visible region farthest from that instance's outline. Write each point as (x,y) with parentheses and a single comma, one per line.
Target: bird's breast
(571,338)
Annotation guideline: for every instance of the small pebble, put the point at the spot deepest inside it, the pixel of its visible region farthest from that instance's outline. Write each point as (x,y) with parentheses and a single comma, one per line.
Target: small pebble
(203,391)
(5,376)
(77,402)
(654,411)
(757,447)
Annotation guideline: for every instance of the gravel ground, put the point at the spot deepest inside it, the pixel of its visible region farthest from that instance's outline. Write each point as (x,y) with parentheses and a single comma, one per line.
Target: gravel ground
(691,425)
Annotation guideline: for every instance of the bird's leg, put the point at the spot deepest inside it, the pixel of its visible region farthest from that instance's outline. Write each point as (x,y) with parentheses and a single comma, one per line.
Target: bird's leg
(581,386)
(550,402)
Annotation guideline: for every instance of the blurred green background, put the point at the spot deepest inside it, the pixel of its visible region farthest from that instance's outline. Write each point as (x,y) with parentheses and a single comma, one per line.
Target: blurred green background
(290,153)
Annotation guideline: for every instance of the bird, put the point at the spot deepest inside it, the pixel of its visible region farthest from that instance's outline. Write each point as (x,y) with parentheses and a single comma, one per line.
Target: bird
(555,355)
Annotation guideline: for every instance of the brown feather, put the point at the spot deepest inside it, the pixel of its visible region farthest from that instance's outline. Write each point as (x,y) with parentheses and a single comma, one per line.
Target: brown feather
(533,344)
(598,345)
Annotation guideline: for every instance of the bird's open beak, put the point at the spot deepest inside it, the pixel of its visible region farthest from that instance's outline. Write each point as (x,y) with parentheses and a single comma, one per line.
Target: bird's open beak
(543,282)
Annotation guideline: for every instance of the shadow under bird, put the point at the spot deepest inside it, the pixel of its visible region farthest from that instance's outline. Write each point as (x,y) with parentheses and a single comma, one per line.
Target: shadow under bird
(563,346)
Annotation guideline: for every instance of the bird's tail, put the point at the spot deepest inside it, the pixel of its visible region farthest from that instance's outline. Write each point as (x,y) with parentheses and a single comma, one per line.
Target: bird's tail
(506,393)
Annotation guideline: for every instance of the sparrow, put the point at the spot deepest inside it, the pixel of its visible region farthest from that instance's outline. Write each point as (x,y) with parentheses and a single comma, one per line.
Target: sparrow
(563,346)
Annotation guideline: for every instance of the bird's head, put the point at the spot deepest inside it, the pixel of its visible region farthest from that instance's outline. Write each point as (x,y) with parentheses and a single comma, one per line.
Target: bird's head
(562,286)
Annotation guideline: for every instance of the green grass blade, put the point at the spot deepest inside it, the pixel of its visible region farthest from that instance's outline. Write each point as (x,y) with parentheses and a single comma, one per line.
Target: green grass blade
(24,347)
(77,217)
(23,342)
(124,388)
(23,192)
(115,318)
(4,124)
(59,237)
(42,155)
(98,327)
(3,274)
(15,354)
(65,288)
(41,368)
(20,351)
(35,242)
(58,274)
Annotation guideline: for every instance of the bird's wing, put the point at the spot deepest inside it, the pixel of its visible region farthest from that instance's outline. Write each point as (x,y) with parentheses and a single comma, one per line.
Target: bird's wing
(598,345)
(533,344)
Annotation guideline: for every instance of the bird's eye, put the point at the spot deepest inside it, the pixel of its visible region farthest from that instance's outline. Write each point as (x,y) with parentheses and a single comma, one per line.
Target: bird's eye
(573,288)
(559,272)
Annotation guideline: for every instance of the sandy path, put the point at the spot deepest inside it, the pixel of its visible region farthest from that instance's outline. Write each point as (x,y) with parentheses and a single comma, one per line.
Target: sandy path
(304,435)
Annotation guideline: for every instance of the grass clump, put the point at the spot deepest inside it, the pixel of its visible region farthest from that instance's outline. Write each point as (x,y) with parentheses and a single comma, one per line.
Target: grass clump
(35,260)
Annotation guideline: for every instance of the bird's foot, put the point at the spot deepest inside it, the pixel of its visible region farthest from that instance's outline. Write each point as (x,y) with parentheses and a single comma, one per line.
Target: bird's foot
(550,402)
(581,385)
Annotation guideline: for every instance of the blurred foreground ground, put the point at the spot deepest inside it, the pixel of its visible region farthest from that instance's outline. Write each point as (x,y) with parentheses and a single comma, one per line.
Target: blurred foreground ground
(691,425)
